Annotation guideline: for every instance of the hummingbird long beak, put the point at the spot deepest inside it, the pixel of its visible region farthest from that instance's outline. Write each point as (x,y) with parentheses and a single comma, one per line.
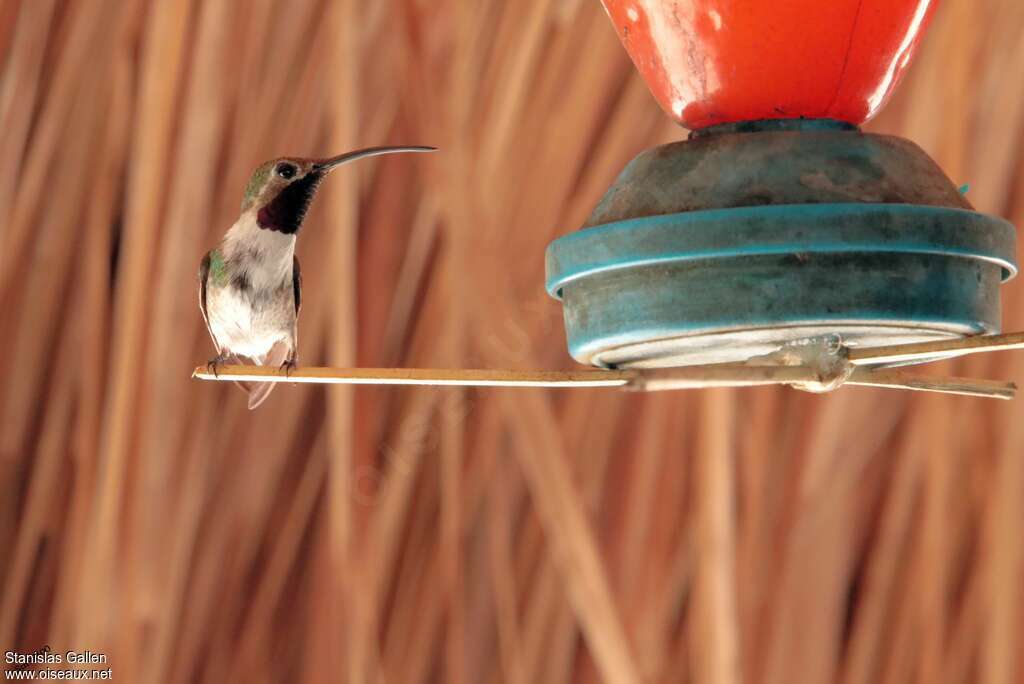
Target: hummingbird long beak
(334,162)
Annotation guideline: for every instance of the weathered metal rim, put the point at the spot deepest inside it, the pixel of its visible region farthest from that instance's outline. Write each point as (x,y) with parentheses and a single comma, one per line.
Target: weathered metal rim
(781,229)
(592,351)
(774,126)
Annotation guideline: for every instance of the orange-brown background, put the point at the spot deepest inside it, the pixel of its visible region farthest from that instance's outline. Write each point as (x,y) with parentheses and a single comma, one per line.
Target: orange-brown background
(408,535)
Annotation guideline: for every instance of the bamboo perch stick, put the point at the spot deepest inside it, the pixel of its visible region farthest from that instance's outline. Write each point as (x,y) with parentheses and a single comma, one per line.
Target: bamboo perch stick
(694,377)
(724,375)
(897,353)
(897,379)
(751,376)
(421,376)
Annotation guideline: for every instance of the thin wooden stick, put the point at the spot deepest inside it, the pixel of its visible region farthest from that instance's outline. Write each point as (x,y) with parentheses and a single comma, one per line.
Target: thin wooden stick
(421,376)
(897,353)
(695,377)
(724,375)
(897,379)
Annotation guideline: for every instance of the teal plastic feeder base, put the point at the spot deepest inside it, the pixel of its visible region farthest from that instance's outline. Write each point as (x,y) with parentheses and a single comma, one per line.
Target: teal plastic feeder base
(750,236)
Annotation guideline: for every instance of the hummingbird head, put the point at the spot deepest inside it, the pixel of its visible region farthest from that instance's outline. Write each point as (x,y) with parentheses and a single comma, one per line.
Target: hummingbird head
(281,190)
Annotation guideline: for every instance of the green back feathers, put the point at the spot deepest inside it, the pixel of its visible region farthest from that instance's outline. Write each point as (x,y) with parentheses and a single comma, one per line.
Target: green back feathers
(256,183)
(218,270)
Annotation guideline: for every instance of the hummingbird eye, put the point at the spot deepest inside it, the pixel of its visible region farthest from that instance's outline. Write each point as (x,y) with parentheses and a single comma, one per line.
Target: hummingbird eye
(286,171)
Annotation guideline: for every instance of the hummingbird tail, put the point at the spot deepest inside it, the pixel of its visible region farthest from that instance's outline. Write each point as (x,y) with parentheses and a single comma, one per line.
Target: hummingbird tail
(258,392)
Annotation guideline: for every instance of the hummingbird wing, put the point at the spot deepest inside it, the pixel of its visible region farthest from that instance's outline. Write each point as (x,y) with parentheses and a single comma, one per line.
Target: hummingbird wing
(204,274)
(297,284)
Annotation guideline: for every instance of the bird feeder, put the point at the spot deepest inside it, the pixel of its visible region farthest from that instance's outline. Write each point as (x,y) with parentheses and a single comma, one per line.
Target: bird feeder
(778,220)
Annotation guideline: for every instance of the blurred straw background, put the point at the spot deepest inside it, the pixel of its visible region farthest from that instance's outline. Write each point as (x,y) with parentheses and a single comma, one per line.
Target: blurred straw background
(410,535)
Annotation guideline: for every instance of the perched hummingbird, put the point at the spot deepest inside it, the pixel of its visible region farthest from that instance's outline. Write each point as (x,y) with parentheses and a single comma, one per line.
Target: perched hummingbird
(250,286)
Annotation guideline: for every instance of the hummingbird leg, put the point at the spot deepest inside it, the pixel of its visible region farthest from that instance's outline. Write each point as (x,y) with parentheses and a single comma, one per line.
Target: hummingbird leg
(292,360)
(215,362)
(290,363)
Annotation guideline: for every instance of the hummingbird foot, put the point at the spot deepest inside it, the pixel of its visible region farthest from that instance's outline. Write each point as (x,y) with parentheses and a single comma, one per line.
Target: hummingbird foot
(213,364)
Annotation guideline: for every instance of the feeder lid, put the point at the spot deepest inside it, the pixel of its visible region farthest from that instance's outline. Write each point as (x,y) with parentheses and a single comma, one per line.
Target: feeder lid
(787,161)
(750,236)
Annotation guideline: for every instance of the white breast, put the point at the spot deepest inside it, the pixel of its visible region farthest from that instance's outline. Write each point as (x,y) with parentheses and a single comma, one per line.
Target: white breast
(250,322)
(241,329)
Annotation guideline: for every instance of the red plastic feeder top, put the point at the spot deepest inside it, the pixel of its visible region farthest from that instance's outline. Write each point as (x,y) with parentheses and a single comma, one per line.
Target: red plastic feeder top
(719,61)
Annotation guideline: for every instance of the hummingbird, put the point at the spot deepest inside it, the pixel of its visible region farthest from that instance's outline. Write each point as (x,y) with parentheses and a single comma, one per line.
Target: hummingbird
(250,286)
